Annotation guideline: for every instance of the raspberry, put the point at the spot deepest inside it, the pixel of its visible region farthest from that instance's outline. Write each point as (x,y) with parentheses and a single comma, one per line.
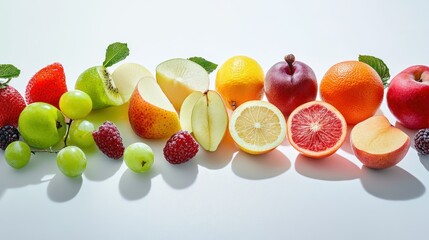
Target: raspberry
(180,148)
(8,134)
(421,141)
(109,141)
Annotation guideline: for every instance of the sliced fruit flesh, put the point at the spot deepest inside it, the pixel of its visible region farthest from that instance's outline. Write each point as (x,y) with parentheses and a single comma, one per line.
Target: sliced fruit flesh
(258,125)
(316,128)
(381,139)
(186,110)
(126,77)
(185,72)
(109,87)
(152,93)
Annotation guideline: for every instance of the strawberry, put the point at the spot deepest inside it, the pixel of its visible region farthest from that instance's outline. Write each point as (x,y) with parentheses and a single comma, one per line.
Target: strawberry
(47,85)
(11,101)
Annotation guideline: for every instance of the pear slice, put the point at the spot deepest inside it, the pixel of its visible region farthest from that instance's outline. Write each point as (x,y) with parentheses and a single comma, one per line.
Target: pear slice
(126,77)
(150,113)
(186,110)
(209,120)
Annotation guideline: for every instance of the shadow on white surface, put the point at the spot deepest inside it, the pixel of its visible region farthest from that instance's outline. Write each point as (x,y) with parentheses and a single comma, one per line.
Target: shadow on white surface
(180,176)
(332,168)
(221,157)
(177,176)
(100,167)
(410,132)
(62,188)
(346,145)
(134,186)
(40,166)
(391,184)
(425,161)
(255,167)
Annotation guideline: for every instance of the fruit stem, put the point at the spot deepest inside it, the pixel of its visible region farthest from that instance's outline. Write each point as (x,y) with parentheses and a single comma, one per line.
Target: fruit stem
(67,132)
(44,150)
(290,58)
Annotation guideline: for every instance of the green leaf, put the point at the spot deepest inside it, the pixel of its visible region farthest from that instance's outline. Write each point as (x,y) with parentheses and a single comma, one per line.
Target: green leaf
(207,65)
(379,66)
(115,53)
(8,71)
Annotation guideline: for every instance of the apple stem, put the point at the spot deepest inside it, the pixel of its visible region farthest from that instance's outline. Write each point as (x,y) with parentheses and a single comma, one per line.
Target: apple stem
(233,105)
(290,58)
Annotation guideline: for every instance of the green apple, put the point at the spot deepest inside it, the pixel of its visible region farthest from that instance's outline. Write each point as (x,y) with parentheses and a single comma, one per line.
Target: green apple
(42,125)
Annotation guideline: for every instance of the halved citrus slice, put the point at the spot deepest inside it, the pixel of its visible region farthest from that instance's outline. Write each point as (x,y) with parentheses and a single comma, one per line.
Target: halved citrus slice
(257,127)
(316,129)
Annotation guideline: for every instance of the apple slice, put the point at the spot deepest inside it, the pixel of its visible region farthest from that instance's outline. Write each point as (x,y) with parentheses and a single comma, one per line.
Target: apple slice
(209,120)
(186,110)
(377,144)
(150,113)
(180,77)
(126,77)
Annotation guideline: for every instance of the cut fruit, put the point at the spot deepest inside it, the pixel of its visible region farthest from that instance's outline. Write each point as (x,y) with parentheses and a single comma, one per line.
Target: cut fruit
(186,110)
(257,127)
(316,129)
(377,144)
(180,77)
(150,113)
(97,83)
(209,120)
(126,78)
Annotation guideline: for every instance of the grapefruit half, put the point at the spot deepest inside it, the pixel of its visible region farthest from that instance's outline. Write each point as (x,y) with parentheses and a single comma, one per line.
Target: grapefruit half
(316,129)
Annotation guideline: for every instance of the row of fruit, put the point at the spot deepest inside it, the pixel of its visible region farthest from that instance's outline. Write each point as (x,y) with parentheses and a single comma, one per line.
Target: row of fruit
(177,103)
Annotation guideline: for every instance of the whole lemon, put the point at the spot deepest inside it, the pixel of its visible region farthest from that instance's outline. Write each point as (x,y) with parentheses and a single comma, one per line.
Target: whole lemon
(240,79)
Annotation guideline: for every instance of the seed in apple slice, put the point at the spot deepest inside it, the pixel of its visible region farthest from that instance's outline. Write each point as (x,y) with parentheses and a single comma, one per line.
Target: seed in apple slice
(378,144)
(126,77)
(150,113)
(180,77)
(209,120)
(186,110)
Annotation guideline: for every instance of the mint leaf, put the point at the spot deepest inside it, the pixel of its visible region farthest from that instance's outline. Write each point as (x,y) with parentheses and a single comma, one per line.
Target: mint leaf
(8,71)
(379,66)
(115,53)
(207,65)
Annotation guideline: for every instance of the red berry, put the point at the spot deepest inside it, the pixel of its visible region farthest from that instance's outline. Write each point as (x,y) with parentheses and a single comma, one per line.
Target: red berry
(47,85)
(109,141)
(180,148)
(12,104)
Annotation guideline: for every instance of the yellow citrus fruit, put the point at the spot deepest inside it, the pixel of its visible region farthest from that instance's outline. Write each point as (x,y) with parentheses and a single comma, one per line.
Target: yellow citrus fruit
(240,79)
(257,127)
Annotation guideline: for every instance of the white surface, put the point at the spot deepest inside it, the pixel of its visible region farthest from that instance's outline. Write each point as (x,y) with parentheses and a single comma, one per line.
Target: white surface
(224,195)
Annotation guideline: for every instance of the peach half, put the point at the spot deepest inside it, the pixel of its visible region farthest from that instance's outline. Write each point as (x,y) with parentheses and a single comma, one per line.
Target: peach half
(378,144)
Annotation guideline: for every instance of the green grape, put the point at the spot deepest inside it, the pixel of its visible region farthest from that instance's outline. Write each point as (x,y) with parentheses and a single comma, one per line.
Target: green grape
(17,154)
(75,104)
(81,133)
(71,161)
(139,157)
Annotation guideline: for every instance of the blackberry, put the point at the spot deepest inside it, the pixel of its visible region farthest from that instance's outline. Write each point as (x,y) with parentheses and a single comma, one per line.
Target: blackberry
(8,134)
(421,141)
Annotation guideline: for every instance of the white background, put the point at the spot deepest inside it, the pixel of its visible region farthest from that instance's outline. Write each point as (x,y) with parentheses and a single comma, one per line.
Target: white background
(226,194)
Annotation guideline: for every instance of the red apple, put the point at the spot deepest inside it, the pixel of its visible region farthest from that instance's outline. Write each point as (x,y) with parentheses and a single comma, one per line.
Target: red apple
(408,97)
(289,84)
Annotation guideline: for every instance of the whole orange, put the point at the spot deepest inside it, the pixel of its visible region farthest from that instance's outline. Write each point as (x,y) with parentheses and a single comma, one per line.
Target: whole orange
(354,88)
